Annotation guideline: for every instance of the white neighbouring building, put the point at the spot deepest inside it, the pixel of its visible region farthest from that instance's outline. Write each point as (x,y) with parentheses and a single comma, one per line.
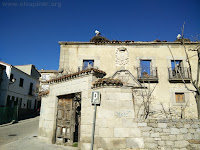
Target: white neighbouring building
(19,85)
(45,76)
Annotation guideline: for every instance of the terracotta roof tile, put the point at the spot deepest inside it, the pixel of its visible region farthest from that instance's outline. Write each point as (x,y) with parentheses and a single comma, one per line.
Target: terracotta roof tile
(43,93)
(77,74)
(107,82)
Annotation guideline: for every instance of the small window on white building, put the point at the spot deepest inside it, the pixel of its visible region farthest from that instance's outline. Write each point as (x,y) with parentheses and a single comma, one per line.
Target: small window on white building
(28,104)
(31,89)
(11,77)
(21,82)
(19,102)
(8,101)
(13,98)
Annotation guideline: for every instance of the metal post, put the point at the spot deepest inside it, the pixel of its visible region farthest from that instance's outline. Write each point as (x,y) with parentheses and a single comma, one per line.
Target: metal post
(93,128)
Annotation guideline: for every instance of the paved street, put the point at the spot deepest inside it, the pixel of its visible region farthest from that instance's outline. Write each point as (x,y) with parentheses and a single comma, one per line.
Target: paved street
(23,136)
(19,130)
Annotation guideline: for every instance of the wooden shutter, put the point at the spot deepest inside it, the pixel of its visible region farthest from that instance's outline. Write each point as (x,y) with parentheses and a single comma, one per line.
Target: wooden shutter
(179,97)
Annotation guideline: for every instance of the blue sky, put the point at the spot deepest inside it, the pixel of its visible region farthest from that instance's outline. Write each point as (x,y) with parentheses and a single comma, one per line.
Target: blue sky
(30,29)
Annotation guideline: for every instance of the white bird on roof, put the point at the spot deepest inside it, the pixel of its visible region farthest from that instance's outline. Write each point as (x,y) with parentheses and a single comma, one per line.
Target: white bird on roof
(178,36)
(97,32)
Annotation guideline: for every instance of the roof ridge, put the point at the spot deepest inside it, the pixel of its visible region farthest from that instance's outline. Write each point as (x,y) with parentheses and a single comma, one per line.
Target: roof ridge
(77,74)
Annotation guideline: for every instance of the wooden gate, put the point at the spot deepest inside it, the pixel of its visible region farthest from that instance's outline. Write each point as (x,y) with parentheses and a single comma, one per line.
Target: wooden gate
(68,119)
(65,120)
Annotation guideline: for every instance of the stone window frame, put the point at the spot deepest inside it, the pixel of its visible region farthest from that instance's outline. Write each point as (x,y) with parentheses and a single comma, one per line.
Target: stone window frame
(173,92)
(169,59)
(182,58)
(96,59)
(153,61)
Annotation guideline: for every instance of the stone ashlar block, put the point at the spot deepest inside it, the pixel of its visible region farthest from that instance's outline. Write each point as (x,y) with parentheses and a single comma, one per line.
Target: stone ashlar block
(179,125)
(188,136)
(149,140)
(119,96)
(187,125)
(165,138)
(157,139)
(114,123)
(85,146)
(126,104)
(146,129)
(169,143)
(155,135)
(175,131)
(180,137)
(142,124)
(166,130)
(86,129)
(184,130)
(181,144)
(192,130)
(106,132)
(113,143)
(134,143)
(128,123)
(195,126)
(135,132)
(198,130)
(158,130)
(172,137)
(121,132)
(162,125)
(161,143)
(154,125)
(150,145)
(145,134)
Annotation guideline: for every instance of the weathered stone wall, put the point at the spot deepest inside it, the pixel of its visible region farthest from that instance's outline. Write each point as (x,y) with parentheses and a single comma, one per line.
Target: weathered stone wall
(117,128)
(114,128)
(169,134)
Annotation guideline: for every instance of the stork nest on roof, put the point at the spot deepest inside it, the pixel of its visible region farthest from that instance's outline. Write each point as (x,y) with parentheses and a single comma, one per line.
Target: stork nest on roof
(99,39)
(184,39)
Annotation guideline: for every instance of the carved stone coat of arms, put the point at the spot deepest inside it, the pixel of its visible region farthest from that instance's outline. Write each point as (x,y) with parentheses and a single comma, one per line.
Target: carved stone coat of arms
(122,56)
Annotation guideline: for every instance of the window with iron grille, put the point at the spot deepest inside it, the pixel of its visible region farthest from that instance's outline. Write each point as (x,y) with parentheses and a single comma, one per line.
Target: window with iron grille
(176,64)
(145,66)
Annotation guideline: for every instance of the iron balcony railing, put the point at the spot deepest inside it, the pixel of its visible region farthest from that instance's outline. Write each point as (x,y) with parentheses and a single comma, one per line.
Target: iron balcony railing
(179,73)
(81,68)
(147,73)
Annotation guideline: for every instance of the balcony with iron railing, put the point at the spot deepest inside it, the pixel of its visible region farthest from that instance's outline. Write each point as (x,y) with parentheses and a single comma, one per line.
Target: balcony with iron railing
(147,75)
(179,74)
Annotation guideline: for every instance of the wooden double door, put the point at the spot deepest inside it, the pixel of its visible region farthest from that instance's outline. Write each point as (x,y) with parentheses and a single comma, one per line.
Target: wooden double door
(68,118)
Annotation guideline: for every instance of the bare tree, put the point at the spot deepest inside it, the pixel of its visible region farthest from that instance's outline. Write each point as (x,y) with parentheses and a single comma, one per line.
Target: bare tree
(146,93)
(195,82)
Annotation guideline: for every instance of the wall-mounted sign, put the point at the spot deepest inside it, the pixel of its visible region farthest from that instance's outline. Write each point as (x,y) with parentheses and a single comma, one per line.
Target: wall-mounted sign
(95,97)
